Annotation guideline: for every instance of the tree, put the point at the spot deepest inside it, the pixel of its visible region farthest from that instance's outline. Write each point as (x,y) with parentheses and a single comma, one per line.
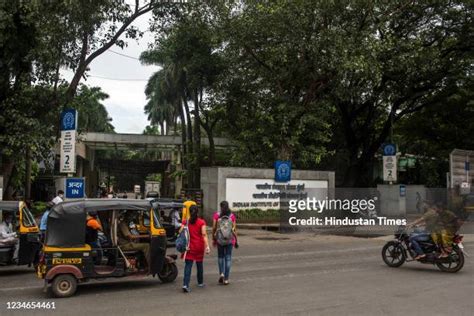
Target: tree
(304,68)
(190,66)
(162,100)
(25,94)
(97,25)
(275,82)
(393,60)
(93,116)
(435,131)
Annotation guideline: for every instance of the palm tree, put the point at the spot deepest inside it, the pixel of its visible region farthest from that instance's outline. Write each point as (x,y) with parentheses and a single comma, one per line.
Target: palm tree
(160,107)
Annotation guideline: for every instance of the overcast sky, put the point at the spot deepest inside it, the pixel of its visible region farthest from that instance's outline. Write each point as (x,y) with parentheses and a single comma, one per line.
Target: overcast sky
(126,92)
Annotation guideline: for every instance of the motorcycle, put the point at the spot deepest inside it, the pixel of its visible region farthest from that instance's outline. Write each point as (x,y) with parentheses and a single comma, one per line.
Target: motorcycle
(398,251)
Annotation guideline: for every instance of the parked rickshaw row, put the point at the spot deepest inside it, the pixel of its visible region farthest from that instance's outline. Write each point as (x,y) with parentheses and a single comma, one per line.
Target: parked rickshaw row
(131,240)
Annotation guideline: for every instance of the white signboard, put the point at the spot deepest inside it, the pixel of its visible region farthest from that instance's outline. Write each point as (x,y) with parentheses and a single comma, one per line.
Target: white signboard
(390,168)
(67,163)
(244,193)
(68,152)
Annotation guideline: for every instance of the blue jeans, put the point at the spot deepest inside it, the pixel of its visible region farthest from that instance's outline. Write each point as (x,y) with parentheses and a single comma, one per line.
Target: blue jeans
(417,237)
(224,259)
(188,266)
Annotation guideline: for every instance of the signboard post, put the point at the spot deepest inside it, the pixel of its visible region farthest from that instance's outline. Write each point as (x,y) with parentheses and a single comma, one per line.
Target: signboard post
(75,188)
(68,141)
(282,171)
(390,163)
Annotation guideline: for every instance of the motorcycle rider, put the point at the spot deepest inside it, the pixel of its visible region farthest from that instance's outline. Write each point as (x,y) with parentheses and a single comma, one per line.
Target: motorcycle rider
(448,225)
(441,225)
(430,221)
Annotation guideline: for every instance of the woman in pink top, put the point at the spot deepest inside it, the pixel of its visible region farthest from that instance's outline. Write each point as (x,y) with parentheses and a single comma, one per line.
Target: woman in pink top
(224,251)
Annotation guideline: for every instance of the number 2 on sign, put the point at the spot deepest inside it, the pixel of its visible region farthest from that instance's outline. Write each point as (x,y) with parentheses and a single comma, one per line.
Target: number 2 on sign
(67,160)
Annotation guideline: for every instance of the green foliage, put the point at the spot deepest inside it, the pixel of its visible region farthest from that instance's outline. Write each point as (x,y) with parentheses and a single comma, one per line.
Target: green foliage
(154,177)
(316,80)
(435,131)
(258,215)
(178,174)
(93,116)
(38,208)
(151,130)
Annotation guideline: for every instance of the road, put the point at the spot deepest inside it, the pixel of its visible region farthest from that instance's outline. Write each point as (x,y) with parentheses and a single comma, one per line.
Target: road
(297,274)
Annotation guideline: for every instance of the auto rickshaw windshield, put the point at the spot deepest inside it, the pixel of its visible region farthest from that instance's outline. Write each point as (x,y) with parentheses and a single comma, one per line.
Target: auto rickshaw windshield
(27,218)
(156,221)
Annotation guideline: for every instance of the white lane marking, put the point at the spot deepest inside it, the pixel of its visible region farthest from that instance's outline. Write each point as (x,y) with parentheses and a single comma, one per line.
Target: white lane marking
(294,275)
(304,253)
(20,288)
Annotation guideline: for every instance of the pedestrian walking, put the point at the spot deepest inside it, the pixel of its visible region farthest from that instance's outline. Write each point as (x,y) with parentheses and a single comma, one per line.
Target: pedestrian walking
(59,198)
(224,236)
(44,220)
(198,246)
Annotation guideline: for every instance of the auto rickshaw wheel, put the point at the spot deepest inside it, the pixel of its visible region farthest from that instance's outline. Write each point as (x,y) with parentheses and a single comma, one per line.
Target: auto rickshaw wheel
(168,273)
(64,285)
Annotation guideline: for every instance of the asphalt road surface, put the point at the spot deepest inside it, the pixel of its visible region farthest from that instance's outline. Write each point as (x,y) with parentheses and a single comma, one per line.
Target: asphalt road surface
(297,274)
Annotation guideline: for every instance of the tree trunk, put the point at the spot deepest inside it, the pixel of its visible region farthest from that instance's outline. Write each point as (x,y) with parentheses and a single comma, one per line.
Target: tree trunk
(162,128)
(285,152)
(197,142)
(183,133)
(81,68)
(359,173)
(86,60)
(28,175)
(7,170)
(188,125)
(189,144)
(212,149)
(212,146)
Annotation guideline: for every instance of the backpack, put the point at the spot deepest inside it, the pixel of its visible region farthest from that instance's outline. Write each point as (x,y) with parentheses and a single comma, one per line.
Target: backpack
(224,233)
(182,241)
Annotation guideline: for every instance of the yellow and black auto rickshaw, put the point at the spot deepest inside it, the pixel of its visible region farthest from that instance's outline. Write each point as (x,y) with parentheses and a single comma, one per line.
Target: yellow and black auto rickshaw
(27,235)
(68,258)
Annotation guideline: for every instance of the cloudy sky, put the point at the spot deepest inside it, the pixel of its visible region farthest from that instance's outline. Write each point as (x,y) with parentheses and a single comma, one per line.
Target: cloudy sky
(126,90)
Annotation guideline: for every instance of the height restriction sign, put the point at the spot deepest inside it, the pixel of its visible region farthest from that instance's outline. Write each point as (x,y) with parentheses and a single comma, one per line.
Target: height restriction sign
(68,141)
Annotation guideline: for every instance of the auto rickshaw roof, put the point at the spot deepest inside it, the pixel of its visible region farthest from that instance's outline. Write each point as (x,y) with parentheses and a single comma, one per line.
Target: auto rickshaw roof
(97,205)
(9,205)
(165,203)
(67,220)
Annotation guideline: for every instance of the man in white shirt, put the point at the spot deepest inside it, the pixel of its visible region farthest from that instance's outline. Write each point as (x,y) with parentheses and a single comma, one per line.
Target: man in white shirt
(59,198)
(175,220)
(8,236)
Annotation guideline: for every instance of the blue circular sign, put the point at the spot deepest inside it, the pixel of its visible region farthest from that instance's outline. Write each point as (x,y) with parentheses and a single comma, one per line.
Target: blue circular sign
(283,170)
(389,150)
(68,120)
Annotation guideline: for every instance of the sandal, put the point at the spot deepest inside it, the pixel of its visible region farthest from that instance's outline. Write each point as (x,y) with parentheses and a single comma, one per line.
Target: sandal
(419,257)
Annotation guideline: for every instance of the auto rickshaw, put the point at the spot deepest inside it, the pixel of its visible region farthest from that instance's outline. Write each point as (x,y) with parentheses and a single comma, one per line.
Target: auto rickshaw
(27,233)
(166,207)
(67,259)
